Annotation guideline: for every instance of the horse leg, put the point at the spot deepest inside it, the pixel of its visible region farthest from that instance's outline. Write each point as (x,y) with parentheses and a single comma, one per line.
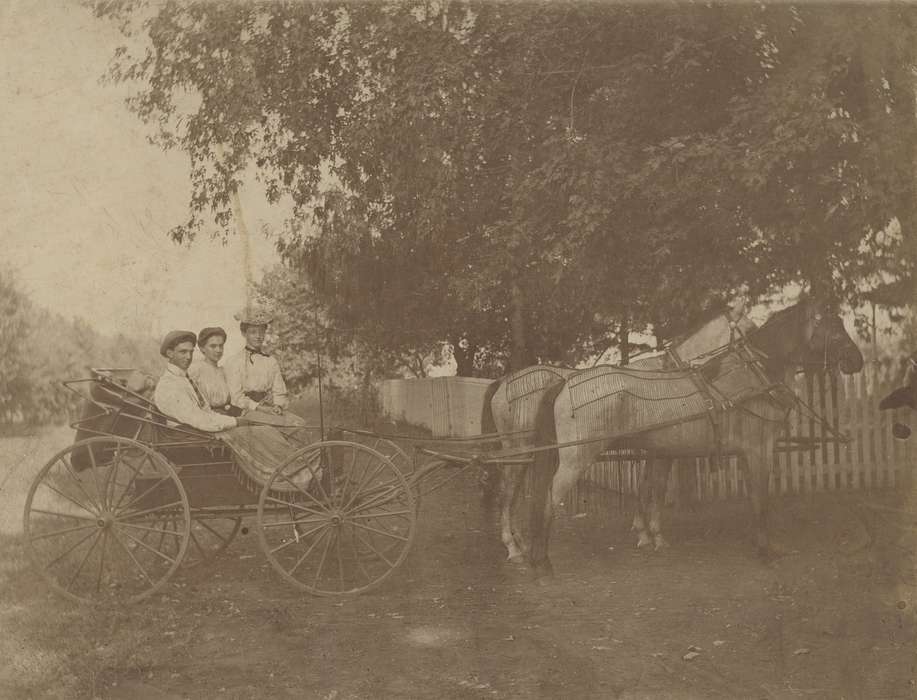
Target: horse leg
(662,467)
(644,494)
(757,472)
(512,479)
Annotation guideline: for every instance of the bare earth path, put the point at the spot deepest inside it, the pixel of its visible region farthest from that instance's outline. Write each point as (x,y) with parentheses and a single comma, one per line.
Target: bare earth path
(832,619)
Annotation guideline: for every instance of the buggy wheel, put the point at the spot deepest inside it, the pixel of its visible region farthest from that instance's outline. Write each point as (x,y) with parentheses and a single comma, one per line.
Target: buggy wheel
(336,518)
(393,452)
(210,535)
(95,521)
(403,463)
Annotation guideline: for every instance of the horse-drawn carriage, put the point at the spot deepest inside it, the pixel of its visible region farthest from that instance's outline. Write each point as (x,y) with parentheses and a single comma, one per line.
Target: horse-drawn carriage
(115,514)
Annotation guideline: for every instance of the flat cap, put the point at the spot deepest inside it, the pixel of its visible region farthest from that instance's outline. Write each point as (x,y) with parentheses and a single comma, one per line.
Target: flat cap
(173,338)
(254,316)
(207,333)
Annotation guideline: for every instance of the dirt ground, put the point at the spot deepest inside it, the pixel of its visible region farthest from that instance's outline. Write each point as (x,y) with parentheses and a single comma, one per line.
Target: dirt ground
(833,618)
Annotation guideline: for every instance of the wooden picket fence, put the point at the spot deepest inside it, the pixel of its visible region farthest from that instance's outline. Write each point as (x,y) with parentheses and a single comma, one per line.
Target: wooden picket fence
(873,459)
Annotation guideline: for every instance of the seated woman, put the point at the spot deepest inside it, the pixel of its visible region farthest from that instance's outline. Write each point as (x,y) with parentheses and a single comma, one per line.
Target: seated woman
(253,376)
(209,376)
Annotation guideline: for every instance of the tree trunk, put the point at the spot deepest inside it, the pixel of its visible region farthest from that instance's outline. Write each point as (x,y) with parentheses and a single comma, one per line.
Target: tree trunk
(520,353)
(623,344)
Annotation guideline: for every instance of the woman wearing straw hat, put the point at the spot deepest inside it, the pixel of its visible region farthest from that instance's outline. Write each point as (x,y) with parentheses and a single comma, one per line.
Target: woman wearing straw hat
(253,376)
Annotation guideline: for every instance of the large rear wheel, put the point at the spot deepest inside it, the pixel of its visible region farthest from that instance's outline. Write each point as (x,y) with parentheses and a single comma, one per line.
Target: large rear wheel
(336,518)
(106,520)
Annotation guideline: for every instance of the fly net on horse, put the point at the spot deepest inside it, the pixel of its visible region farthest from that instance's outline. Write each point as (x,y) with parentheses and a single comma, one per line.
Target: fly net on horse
(524,390)
(637,400)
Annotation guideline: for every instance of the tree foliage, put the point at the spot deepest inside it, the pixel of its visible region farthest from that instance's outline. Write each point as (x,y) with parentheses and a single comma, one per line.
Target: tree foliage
(40,349)
(522,180)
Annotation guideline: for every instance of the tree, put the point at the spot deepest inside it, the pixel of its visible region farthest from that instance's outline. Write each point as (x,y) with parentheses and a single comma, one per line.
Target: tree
(522,180)
(310,338)
(15,309)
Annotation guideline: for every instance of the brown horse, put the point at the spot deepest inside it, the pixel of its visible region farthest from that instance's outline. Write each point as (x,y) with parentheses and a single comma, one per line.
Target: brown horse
(737,402)
(510,405)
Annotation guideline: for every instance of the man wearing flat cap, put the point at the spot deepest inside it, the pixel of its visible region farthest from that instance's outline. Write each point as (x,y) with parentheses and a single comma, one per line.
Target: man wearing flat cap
(254,376)
(207,374)
(176,394)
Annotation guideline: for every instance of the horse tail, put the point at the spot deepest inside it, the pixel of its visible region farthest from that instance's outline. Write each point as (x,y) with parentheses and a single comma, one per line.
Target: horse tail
(544,466)
(490,481)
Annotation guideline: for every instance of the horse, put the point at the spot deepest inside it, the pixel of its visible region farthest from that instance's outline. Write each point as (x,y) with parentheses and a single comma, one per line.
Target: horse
(905,395)
(510,404)
(736,401)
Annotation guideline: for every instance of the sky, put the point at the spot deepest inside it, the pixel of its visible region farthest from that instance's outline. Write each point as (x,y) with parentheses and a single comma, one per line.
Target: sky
(86,201)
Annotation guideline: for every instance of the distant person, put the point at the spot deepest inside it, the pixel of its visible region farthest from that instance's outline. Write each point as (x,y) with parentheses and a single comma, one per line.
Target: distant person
(176,394)
(254,377)
(208,376)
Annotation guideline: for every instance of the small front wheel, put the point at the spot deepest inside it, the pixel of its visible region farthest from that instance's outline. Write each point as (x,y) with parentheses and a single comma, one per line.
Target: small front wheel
(337,518)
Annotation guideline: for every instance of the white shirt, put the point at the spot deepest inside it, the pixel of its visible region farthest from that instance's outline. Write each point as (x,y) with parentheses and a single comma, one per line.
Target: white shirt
(250,371)
(211,382)
(176,397)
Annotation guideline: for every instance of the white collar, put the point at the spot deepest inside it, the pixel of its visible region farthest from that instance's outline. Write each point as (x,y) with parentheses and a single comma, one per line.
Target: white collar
(177,371)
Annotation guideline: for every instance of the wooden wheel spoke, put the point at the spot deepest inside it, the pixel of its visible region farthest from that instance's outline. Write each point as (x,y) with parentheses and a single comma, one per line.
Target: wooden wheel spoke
(364,479)
(384,514)
(349,474)
(370,546)
(297,540)
(214,532)
(135,471)
(140,513)
(85,558)
(132,557)
(377,500)
(321,562)
(302,490)
(307,552)
(102,560)
(304,521)
(69,550)
(298,506)
(337,548)
(148,547)
(197,544)
(143,495)
(152,529)
(64,515)
(70,498)
(95,478)
(322,466)
(353,544)
(384,533)
(63,531)
(76,480)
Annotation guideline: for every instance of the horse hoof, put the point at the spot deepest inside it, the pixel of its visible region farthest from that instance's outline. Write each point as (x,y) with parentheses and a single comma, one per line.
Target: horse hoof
(659,543)
(643,541)
(516,559)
